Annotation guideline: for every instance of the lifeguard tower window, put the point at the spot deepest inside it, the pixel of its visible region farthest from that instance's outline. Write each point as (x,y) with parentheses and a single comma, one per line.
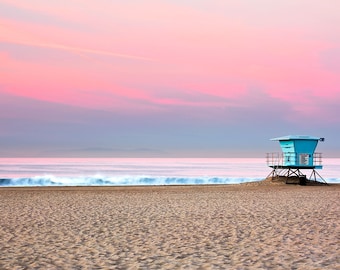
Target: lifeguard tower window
(304,159)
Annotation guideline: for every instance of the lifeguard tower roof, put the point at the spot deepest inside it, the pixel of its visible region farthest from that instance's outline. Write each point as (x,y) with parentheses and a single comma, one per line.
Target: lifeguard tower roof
(297,137)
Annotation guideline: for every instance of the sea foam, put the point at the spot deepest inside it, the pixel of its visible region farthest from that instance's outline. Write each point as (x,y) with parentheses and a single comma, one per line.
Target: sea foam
(120,181)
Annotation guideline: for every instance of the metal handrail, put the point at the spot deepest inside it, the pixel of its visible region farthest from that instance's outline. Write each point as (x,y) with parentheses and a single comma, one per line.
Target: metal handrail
(280,159)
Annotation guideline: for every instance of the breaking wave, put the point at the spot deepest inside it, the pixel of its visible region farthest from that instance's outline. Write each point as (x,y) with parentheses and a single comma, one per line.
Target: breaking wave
(119,181)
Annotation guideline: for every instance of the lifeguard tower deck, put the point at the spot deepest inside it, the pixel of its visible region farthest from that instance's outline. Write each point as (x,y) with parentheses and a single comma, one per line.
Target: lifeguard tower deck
(297,155)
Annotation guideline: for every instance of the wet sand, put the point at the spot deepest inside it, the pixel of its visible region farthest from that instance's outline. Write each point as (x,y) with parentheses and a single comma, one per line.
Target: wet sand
(178,227)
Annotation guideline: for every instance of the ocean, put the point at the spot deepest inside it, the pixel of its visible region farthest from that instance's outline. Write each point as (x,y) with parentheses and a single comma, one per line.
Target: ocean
(27,172)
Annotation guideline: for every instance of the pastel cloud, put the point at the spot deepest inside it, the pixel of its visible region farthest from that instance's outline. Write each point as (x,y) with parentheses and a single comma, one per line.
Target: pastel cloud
(14,34)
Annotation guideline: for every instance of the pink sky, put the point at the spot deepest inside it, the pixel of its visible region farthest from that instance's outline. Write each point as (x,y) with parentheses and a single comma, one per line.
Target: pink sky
(191,65)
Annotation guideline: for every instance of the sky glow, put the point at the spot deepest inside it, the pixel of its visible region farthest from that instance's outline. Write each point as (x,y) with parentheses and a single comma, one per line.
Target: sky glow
(167,78)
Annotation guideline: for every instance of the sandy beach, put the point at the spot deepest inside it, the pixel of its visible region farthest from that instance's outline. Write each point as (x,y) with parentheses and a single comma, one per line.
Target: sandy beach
(178,227)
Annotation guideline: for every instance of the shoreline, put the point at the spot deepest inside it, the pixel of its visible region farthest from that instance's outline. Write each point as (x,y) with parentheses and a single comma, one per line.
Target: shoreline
(261,184)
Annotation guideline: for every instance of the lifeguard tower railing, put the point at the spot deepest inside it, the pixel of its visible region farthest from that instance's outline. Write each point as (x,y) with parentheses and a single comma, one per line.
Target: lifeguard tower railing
(294,160)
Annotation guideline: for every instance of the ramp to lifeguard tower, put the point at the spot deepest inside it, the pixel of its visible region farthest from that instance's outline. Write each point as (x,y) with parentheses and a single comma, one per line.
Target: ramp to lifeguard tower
(296,180)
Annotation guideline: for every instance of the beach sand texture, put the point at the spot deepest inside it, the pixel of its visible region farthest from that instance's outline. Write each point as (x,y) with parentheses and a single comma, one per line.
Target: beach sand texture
(179,227)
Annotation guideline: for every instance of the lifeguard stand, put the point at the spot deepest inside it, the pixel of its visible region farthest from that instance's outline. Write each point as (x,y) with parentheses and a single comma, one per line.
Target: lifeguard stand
(297,154)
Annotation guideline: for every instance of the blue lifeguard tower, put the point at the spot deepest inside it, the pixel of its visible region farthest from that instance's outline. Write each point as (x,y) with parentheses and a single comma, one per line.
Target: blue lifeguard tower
(297,155)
